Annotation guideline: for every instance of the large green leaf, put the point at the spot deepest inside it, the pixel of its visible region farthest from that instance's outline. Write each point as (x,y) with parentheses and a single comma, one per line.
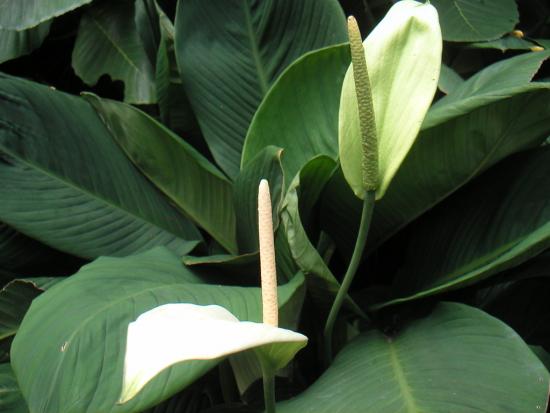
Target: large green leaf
(182,173)
(108,43)
(403,55)
(11,400)
(82,322)
(22,14)
(67,183)
(499,81)
(458,359)
(497,222)
(472,20)
(231,51)
(18,43)
(300,111)
(265,165)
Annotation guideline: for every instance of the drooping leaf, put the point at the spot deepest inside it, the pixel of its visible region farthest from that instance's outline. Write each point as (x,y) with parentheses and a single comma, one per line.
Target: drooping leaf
(108,43)
(231,52)
(11,400)
(403,56)
(457,359)
(473,20)
(18,43)
(498,81)
(174,333)
(265,165)
(190,180)
(497,222)
(300,111)
(23,14)
(66,182)
(78,366)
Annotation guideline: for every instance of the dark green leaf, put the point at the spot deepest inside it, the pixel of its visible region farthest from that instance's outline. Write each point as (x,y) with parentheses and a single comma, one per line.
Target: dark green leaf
(23,14)
(18,43)
(67,183)
(505,43)
(11,400)
(473,20)
(449,80)
(458,359)
(108,43)
(231,52)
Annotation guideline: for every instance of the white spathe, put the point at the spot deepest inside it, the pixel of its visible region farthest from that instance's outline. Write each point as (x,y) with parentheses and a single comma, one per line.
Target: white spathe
(174,333)
(403,55)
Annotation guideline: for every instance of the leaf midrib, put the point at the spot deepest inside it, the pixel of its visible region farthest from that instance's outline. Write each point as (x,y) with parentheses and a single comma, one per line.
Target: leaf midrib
(401,378)
(254,47)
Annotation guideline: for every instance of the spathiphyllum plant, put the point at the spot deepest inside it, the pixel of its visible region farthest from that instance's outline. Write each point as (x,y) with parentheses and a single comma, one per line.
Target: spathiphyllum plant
(192,191)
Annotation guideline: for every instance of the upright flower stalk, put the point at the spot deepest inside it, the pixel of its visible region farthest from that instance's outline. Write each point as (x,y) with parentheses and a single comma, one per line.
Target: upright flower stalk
(270,307)
(369,169)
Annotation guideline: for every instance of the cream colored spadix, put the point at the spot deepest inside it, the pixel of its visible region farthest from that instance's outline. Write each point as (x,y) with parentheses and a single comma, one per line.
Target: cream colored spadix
(175,333)
(403,55)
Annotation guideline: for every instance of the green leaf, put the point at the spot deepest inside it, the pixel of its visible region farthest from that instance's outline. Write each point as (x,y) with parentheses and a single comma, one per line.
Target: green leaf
(458,359)
(306,96)
(505,43)
(77,191)
(19,43)
(496,82)
(23,14)
(11,400)
(182,173)
(449,80)
(15,299)
(146,19)
(403,56)
(177,333)
(226,269)
(230,53)
(108,43)
(473,20)
(497,222)
(266,165)
(449,155)
(79,365)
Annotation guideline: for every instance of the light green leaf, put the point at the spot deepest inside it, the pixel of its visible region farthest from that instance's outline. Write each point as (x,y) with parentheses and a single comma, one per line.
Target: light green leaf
(175,333)
(181,172)
(108,43)
(77,191)
(473,20)
(230,53)
(499,221)
(458,359)
(499,81)
(18,43)
(11,400)
(306,96)
(23,14)
(82,322)
(403,56)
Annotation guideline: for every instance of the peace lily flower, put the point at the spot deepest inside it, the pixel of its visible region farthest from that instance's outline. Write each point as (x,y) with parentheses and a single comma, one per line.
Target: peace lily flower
(180,332)
(403,58)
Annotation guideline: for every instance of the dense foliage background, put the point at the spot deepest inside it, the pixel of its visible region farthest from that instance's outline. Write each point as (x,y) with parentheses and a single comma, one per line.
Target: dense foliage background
(466,220)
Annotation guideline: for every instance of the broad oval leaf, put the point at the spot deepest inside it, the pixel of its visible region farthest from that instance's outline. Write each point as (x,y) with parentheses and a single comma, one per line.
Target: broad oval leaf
(300,111)
(231,51)
(403,56)
(23,14)
(81,324)
(175,333)
(497,222)
(458,359)
(108,43)
(18,43)
(473,20)
(182,173)
(67,183)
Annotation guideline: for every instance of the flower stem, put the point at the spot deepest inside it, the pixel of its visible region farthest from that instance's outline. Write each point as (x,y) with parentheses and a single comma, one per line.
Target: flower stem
(269,391)
(366,215)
